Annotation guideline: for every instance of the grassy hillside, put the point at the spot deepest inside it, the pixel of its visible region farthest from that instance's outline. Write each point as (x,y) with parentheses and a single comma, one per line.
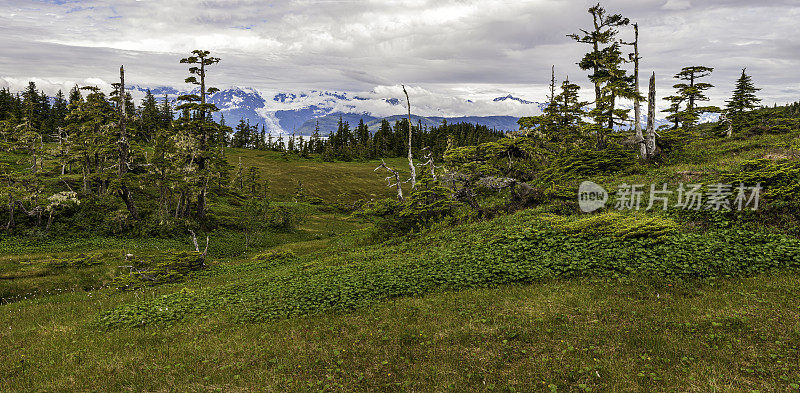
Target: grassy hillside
(333,181)
(534,300)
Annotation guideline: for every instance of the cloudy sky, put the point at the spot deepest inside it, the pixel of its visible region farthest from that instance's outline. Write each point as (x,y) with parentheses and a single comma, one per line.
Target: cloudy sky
(451,47)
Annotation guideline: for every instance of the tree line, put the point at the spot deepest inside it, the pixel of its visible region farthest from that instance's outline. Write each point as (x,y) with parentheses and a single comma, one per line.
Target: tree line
(360,143)
(164,163)
(103,146)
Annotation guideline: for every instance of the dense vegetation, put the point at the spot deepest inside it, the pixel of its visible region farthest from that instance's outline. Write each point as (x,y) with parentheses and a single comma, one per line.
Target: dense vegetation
(150,248)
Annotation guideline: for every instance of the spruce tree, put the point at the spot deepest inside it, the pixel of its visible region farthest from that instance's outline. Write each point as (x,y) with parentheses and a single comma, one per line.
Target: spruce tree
(691,92)
(241,135)
(603,61)
(89,141)
(75,96)
(316,141)
(743,100)
(744,96)
(200,135)
(674,110)
(149,118)
(123,152)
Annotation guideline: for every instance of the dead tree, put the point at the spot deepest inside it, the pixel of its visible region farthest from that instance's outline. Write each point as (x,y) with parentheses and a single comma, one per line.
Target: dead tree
(410,157)
(431,166)
(649,144)
(727,120)
(637,111)
(396,176)
(197,247)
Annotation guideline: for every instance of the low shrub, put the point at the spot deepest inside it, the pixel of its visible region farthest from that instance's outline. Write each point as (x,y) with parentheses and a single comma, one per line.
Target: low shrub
(77,261)
(583,163)
(780,179)
(674,140)
(274,255)
(616,225)
(508,250)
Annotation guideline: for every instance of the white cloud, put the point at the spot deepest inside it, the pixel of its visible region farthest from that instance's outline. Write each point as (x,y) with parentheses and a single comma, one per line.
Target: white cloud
(463,48)
(675,5)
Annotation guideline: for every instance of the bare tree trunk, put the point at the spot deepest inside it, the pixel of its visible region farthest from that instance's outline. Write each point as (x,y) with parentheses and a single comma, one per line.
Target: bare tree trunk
(396,176)
(410,157)
(637,110)
(650,137)
(431,166)
(610,117)
(596,69)
(124,192)
(727,120)
(202,164)
(197,247)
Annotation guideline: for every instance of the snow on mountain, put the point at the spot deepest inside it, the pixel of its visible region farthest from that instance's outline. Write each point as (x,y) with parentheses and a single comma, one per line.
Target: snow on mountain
(300,111)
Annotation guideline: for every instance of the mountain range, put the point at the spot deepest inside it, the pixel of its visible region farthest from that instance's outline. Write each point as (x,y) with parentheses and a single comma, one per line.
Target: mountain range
(300,112)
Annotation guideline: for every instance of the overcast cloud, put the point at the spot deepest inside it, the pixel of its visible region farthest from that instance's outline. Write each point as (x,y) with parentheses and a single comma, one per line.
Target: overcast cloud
(468,49)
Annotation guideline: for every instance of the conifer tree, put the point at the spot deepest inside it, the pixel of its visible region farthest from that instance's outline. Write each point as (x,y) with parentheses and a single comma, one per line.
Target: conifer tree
(690,92)
(75,96)
(88,124)
(262,140)
(200,135)
(674,110)
(316,141)
(59,110)
(166,114)
(149,118)
(241,135)
(123,165)
(603,61)
(743,99)
(561,122)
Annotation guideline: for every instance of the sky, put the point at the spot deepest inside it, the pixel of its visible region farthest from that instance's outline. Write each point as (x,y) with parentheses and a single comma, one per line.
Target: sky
(445,48)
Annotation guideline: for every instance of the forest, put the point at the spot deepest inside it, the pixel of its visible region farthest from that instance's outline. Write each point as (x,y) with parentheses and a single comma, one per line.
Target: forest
(145,246)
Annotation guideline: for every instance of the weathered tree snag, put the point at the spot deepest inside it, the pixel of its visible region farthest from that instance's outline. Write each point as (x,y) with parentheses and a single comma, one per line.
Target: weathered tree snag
(410,157)
(396,176)
(727,120)
(637,110)
(431,166)
(124,192)
(197,247)
(465,193)
(650,137)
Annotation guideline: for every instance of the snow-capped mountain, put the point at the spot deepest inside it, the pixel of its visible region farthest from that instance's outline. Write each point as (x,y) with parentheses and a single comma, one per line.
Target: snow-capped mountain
(300,111)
